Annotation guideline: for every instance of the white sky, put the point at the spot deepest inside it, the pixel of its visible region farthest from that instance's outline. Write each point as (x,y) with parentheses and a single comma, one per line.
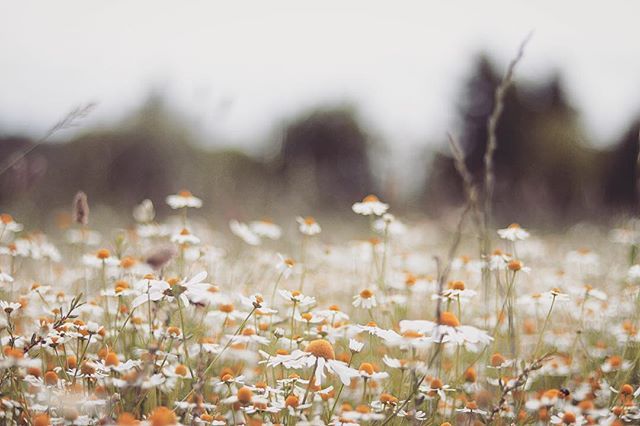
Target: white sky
(239,67)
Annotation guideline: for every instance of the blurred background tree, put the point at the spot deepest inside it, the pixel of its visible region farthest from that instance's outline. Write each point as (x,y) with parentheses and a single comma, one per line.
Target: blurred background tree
(324,158)
(546,171)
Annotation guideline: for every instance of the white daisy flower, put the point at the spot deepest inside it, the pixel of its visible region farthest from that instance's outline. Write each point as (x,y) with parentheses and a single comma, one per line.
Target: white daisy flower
(285,266)
(308,226)
(513,232)
(370,205)
(366,299)
(185,237)
(243,231)
(266,229)
(320,355)
(183,199)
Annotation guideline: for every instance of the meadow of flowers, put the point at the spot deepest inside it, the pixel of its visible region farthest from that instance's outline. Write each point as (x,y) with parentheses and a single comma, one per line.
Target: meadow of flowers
(172,322)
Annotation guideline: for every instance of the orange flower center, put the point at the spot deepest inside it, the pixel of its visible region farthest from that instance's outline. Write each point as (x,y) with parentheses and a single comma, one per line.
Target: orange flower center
(112,359)
(412,334)
(181,370)
(227,308)
(386,398)
(457,285)
(568,417)
(103,254)
(244,395)
(321,349)
(50,378)
(292,401)
(497,360)
(449,318)
(162,416)
(367,368)
(366,294)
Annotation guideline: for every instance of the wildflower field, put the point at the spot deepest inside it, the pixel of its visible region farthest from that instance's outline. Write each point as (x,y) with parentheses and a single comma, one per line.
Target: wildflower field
(172,322)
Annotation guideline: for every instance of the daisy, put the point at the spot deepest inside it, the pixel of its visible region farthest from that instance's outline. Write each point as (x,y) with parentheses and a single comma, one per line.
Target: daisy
(285,266)
(449,329)
(365,299)
(436,387)
(5,278)
(634,273)
(8,224)
(152,290)
(100,259)
(355,346)
(266,229)
(247,336)
(371,328)
(367,371)
(370,205)
(513,232)
(498,361)
(456,290)
(194,290)
(568,418)
(320,355)
(362,413)
(389,224)
(297,297)
(185,237)
(225,311)
(243,231)
(407,339)
(308,226)
(183,199)
(333,314)
(555,294)
(583,258)
(472,408)
(615,363)
(9,308)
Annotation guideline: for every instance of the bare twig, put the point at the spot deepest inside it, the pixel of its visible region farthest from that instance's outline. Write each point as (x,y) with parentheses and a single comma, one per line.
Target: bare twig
(470,188)
(520,381)
(73,305)
(70,120)
(492,141)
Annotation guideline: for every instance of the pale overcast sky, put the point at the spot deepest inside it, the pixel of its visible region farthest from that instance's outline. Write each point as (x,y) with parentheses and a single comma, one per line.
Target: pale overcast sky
(239,67)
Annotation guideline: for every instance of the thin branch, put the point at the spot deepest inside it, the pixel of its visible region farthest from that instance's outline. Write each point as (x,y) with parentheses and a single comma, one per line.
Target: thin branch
(492,141)
(470,188)
(70,120)
(520,381)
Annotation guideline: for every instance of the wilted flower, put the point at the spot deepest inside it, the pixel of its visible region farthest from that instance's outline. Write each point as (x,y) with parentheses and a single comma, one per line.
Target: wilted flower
(144,212)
